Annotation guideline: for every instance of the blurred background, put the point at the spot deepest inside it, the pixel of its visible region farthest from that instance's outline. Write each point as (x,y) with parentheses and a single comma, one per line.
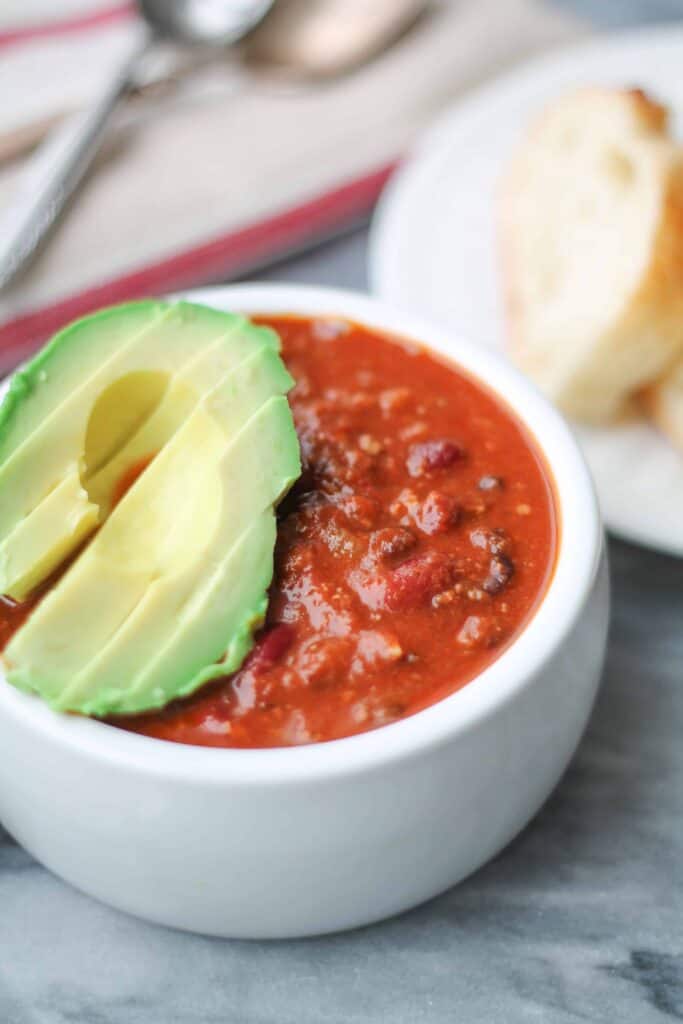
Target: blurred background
(219,162)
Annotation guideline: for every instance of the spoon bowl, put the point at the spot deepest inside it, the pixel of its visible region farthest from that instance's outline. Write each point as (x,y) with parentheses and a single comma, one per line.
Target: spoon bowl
(205,22)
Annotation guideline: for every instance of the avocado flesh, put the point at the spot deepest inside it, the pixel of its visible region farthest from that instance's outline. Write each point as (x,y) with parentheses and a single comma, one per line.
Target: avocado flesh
(210,486)
(93,599)
(178,670)
(125,411)
(63,520)
(65,363)
(182,396)
(166,612)
(59,443)
(260,452)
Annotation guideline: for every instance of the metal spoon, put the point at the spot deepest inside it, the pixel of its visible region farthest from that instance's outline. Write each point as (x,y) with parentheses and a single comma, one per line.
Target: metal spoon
(62,161)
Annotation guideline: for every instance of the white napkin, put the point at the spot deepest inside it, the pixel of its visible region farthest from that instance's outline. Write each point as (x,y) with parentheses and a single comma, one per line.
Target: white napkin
(230,172)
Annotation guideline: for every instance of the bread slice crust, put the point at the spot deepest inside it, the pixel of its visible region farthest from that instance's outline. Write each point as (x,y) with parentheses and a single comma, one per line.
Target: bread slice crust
(591,229)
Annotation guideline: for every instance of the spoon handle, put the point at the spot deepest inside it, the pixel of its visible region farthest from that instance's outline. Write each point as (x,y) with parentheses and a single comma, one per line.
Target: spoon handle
(58,167)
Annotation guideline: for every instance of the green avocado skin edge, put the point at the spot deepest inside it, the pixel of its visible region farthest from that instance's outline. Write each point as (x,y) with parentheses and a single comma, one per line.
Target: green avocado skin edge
(200,645)
(112,703)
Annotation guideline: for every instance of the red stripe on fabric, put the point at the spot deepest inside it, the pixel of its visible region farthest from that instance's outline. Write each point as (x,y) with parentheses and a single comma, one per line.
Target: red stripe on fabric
(116,12)
(219,259)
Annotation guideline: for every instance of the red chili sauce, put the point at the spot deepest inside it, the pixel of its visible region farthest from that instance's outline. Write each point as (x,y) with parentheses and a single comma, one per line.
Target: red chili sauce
(414,548)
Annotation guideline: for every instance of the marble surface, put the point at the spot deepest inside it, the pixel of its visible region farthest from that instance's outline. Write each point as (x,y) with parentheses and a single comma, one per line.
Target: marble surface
(580,919)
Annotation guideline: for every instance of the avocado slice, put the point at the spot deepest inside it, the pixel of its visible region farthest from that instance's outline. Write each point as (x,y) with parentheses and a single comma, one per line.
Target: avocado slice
(158,661)
(62,521)
(124,409)
(202,510)
(66,362)
(177,670)
(181,397)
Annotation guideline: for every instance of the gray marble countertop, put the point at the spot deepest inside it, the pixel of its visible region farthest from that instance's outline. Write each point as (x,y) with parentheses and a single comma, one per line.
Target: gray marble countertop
(580,919)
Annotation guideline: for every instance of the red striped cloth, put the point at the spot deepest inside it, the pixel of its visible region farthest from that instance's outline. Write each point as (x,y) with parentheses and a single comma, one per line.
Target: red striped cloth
(229,173)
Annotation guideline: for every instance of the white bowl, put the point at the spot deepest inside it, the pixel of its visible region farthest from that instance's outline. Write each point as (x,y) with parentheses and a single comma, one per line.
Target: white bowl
(304,840)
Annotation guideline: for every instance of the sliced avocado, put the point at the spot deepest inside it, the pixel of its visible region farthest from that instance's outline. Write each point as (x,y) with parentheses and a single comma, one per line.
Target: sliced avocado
(202,509)
(80,428)
(178,670)
(124,410)
(220,617)
(65,363)
(183,394)
(263,454)
(61,521)
(150,531)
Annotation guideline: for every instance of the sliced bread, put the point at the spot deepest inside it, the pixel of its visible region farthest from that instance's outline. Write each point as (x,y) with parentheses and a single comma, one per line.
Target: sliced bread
(592,243)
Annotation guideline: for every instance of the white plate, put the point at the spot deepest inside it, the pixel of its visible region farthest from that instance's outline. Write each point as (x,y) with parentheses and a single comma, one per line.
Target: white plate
(433,246)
